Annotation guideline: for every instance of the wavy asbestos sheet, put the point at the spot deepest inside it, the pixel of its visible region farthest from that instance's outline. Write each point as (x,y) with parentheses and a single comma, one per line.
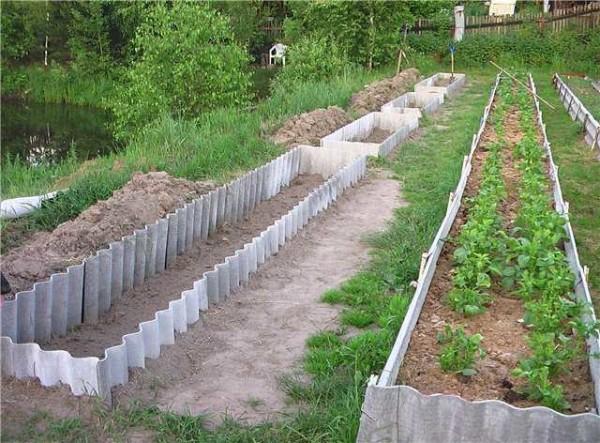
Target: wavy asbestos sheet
(94,376)
(578,112)
(401,413)
(400,124)
(84,292)
(415,102)
(429,84)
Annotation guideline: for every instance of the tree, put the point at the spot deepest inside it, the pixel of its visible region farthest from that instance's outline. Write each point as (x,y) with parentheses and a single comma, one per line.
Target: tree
(22,25)
(187,62)
(89,41)
(369,31)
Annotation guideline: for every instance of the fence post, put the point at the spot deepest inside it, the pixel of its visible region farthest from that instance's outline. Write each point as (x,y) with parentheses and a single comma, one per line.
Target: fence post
(459,23)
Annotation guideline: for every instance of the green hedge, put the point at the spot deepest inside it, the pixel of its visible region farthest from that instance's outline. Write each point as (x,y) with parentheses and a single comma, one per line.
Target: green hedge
(574,50)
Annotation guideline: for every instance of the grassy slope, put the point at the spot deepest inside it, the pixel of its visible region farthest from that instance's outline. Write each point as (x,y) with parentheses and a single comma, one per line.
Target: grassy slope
(428,168)
(579,172)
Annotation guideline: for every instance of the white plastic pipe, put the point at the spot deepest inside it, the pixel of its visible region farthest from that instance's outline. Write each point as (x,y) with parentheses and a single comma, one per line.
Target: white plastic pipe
(18,207)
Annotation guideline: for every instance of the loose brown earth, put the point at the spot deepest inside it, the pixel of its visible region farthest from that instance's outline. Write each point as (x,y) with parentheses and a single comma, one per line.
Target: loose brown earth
(143,200)
(140,304)
(443,82)
(378,93)
(378,135)
(310,127)
(233,361)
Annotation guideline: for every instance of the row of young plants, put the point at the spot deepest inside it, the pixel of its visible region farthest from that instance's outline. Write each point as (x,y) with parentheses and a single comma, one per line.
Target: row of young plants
(529,262)
(477,256)
(544,281)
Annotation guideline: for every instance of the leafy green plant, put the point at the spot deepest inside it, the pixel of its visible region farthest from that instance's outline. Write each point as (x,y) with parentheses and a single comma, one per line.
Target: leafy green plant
(460,350)
(540,388)
(312,58)
(182,68)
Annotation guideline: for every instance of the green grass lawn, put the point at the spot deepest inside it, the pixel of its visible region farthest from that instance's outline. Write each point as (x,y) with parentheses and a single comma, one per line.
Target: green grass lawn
(584,90)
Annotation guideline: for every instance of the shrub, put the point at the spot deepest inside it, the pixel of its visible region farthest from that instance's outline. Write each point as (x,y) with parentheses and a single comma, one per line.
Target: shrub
(189,62)
(312,58)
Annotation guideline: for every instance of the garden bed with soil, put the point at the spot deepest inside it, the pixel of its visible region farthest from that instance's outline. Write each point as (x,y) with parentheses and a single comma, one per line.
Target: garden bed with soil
(501,325)
(140,304)
(143,200)
(376,94)
(500,331)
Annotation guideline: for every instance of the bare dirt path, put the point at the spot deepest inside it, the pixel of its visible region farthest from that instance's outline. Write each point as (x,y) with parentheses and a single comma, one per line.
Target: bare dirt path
(232,363)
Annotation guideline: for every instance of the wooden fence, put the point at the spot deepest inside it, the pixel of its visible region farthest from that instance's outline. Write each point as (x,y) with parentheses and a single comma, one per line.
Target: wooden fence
(584,16)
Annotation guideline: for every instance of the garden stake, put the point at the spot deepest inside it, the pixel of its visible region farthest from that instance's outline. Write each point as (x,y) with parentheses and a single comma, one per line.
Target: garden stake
(522,84)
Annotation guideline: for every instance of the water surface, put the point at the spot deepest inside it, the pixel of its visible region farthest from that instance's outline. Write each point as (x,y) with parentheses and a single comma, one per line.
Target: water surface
(45,133)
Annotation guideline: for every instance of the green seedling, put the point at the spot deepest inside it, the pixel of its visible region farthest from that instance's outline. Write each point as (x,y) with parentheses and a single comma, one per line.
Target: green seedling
(460,350)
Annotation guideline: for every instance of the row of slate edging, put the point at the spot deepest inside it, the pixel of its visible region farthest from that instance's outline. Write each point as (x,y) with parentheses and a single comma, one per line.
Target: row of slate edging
(91,375)
(401,413)
(402,124)
(578,112)
(86,291)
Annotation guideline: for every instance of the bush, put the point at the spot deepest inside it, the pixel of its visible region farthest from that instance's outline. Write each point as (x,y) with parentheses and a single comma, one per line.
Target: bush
(189,63)
(528,46)
(316,58)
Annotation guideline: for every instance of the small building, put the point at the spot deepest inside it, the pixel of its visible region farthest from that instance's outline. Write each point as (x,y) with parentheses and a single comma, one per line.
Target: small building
(502,7)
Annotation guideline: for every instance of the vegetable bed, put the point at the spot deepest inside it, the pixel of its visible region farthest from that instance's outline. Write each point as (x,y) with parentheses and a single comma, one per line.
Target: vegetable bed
(496,340)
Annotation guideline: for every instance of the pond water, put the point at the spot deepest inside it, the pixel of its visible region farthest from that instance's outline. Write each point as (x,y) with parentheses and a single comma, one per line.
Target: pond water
(45,133)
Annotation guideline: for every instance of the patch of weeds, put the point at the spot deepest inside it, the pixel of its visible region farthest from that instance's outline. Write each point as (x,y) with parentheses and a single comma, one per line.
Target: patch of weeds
(358,317)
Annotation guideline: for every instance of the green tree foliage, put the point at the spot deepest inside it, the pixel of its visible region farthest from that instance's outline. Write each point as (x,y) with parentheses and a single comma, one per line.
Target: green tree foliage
(370,31)
(188,62)
(313,58)
(89,40)
(22,26)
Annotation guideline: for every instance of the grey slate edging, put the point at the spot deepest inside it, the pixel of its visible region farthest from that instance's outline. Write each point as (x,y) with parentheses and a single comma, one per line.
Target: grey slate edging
(578,112)
(400,124)
(428,85)
(35,315)
(490,421)
(94,376)
(424,101)
(401,413)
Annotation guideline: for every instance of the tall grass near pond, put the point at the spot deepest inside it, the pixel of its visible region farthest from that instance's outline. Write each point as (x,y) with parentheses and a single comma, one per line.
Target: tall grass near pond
(57,84)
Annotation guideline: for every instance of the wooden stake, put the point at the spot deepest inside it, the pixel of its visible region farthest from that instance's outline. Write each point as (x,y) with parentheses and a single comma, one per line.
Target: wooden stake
(522,84)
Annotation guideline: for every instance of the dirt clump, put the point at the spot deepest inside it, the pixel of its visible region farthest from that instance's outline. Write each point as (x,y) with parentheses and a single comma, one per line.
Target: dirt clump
(143,200)
(376,94)
(308,128)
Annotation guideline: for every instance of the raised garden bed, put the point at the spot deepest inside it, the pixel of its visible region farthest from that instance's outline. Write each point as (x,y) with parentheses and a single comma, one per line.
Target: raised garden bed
(578,112)
(416,103)
(442,83)
(499,326)
(86,373)
(375,134)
